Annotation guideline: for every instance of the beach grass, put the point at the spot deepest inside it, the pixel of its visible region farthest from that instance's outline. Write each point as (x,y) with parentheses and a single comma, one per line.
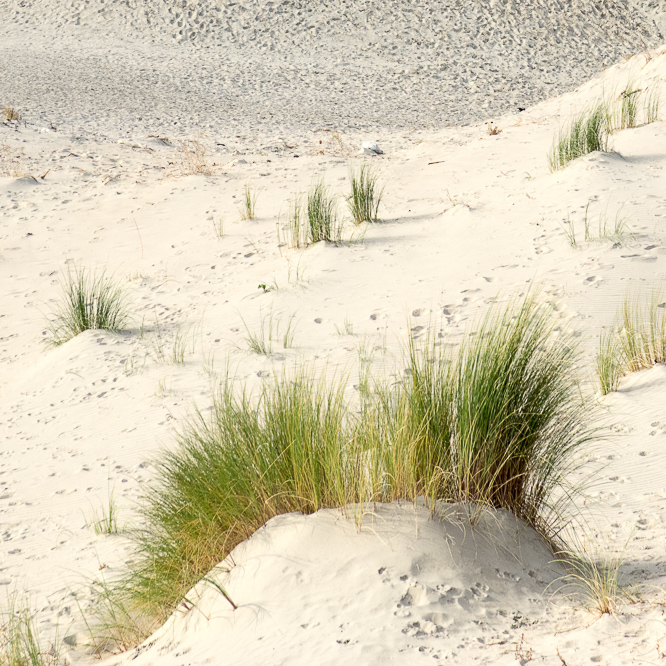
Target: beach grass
(322,215)
(366,196)
(587,132)
(20,644)
(496,422)
(89,301)
(636,340)
(248,205)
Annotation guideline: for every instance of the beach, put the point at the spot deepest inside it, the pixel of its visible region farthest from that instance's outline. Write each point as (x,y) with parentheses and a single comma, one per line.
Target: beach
(142,129)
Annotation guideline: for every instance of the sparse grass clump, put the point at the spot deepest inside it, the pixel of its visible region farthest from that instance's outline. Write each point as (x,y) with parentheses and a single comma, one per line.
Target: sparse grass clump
(105,521)
(636,341)
(19,641)
(248,204)
(315,221)
(89,301)
(9,113)
(495,423)
(365,196)
(191,157)
(627,114)
(589,131)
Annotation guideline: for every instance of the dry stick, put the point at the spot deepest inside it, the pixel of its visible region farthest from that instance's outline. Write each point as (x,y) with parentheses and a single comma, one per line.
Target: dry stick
(439,162)
(138,232)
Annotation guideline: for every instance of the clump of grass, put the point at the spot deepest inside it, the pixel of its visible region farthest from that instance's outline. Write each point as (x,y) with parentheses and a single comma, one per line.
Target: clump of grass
(106,520)
(218,227)
(589,131)
(651,106)
(502,417)
(595,575)
(610,367)
(248,204)
(296,226)
(628,102)
(636,341)
(89,301)
(322,216)
(313,221)
(19,640)
(191,157)
(261,341)
(9,113)
(233,471)
(365,196)
(494,423)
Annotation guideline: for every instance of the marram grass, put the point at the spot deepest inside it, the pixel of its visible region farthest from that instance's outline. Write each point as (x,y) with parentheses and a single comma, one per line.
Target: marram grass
(587,132)
(365,197)
(636,340)
(495,423)
(89,301)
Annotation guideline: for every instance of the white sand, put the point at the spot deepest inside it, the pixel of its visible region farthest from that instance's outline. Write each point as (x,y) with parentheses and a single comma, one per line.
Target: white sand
(86,418)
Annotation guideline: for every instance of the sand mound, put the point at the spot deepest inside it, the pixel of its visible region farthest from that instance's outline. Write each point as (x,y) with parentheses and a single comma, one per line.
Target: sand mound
(274,67)
(406,588)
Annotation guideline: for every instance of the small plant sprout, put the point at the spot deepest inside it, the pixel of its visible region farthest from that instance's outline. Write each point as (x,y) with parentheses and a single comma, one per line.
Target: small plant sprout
(261,341)
(288,337)
(346,329)
(595,575)
(248,204)
(365,196)
(89,301)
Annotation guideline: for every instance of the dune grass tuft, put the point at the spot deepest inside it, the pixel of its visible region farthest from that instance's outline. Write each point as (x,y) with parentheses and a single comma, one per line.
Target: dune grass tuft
(19,641)
(248,204)
(365,196)
(322,215)
(89,301)
(636,341)
(587,132)
(495,423)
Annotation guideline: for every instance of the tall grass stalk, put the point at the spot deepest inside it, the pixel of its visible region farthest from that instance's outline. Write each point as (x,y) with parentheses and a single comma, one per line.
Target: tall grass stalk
(89,301)
(365,196)
(587,132)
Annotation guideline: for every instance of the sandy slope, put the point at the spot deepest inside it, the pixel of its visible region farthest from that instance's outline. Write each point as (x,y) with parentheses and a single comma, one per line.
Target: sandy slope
(466,216)
(268,69)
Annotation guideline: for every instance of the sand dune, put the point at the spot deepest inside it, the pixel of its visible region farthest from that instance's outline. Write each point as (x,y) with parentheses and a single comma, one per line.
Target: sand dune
(280,95)
(285,68)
